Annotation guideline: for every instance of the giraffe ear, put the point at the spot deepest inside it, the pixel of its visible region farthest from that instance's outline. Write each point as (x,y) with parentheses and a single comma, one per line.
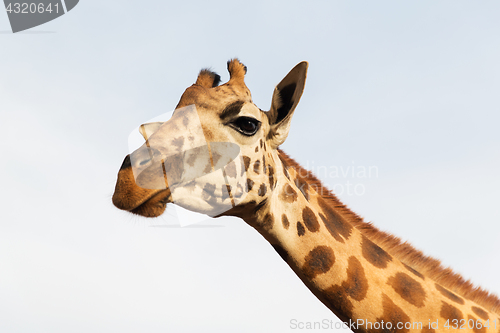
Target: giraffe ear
(286,96)
(149,128)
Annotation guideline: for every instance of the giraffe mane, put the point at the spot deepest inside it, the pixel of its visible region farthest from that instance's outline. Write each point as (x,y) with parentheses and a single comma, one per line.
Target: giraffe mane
(402,250)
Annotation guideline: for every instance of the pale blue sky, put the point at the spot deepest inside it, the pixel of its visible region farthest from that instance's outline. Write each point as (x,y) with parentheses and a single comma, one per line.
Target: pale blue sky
(410,88)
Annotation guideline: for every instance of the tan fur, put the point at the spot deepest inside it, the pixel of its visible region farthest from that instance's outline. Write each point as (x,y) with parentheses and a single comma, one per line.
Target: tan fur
(236,70)
(207,79)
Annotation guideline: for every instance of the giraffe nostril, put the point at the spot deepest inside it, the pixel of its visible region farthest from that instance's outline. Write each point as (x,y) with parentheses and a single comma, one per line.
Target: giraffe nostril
(145,161)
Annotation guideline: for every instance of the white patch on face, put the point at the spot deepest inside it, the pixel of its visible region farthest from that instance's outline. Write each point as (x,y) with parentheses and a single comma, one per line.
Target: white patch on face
(198,173)
(164,149)
(250,110)
(209,194)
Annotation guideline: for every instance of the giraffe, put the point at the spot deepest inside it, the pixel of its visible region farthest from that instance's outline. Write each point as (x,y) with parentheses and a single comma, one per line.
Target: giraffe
(368,278)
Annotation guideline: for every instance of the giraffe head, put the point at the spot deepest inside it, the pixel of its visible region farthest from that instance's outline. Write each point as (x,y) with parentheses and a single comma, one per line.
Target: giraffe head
(211,155)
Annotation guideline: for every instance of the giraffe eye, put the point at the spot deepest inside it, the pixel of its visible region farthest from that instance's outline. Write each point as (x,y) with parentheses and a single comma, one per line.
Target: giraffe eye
(246,125)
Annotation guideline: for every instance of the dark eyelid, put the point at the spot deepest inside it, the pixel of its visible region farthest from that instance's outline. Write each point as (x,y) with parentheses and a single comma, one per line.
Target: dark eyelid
(252,119)
(234,125)
(231,110)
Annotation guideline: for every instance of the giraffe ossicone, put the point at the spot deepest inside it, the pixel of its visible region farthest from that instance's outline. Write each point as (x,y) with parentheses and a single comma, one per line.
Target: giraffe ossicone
(219,155)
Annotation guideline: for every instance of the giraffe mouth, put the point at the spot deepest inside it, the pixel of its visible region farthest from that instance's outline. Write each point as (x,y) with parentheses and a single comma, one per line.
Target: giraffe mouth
(154,205)
(132,198)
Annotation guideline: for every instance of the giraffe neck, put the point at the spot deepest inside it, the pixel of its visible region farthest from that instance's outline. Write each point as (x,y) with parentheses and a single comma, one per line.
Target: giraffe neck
(356,279)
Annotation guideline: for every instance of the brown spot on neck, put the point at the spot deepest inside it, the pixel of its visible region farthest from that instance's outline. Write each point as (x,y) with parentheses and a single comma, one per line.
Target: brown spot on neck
(356,284)
(394,315)
(449,312)
(288,194)
(480,312)
(310,219)
(337,299)
(334,223)
(272,178)
(300,229)
(284,220)
(476,328)
(374,254)
(413,271)
(409,289)
(318,261)
(449,295)
(428,329)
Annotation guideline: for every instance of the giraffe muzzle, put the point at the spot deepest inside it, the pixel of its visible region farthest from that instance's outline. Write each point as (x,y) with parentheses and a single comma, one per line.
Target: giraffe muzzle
(176,158)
